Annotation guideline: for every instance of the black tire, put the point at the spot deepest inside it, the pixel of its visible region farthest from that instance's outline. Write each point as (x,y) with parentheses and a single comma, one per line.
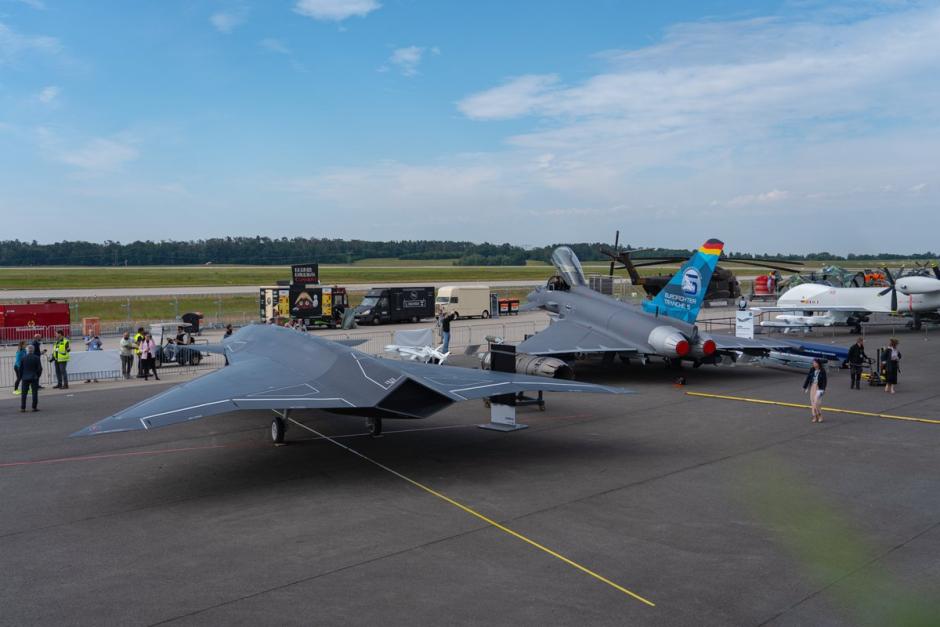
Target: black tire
(376,322)
(485,314)
(375,426)
(415,319)
(278,429)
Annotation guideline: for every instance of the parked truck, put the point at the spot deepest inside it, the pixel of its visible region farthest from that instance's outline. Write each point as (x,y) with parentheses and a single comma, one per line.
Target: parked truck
(467,301)
(23,321)
(396,304)
(315,306)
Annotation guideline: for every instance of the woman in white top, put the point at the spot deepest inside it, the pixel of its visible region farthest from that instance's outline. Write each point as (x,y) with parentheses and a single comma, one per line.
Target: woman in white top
(148,357)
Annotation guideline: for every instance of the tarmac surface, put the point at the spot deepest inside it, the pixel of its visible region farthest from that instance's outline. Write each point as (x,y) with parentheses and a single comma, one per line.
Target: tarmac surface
(717,512)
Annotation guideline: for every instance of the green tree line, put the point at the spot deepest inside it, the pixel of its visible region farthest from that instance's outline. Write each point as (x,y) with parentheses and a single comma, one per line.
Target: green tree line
(279,251)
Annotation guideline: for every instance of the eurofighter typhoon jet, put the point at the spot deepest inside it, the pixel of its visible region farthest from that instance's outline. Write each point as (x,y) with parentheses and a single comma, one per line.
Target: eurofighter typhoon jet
(588,322)
(280,369)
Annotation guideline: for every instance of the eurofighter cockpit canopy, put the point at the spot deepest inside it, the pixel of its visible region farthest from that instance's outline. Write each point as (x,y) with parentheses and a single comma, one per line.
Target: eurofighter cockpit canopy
(568,266)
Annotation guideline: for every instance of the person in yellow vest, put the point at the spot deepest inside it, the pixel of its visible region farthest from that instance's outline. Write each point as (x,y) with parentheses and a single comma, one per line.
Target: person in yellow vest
(138,339)
(60,355)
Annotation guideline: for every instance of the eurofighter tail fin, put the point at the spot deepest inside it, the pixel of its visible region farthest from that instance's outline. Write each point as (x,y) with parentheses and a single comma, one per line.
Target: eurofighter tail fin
(683,295)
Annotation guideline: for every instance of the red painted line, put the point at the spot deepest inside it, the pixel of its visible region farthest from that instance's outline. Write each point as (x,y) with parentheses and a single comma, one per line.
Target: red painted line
(113,455)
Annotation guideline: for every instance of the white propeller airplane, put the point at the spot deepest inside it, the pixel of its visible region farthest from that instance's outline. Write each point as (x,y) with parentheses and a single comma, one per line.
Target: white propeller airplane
(814,305)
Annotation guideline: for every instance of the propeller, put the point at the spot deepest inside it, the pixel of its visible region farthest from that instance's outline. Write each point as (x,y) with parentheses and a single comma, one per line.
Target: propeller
(892,287)
(616,250)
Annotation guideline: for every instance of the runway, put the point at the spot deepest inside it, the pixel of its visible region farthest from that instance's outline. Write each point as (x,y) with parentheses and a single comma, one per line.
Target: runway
(225,290)
(716,511)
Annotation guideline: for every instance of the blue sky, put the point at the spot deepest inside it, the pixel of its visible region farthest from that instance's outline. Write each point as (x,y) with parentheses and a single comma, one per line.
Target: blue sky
(776,126)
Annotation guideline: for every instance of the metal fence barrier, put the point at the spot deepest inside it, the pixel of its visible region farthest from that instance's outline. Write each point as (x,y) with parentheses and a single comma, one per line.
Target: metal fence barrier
(210,361)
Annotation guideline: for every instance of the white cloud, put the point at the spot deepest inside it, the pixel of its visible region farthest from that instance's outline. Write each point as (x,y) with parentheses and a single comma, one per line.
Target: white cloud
(227,21)
(13,45)
(39,5)
(764,198)
(407,59)
(817,114)
(48,95)
(918,188)
(274,45)
(98,155)
(335,10)
(513,98)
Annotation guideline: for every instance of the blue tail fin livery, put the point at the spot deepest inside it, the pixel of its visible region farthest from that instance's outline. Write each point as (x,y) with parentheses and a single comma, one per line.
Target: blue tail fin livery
(683,295)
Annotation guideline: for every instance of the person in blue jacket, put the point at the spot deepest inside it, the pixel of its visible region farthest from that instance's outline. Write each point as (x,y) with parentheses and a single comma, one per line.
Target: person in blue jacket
(815,384)
(18,366)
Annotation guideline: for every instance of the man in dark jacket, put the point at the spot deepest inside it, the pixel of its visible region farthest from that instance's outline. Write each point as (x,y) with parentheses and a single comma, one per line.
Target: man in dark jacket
(446,319)
(857,359)
(31,371)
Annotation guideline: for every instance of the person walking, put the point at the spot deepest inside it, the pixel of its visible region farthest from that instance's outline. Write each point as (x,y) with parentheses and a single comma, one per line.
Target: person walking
(31,371)
(857,359)
(148,357)
(138,340)
(128,347)
(815,383)
(892,364)
(18,366)
(60,355)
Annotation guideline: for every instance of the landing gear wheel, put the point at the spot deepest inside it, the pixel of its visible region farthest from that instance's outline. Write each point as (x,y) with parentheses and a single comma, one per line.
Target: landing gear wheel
(485,314)
(278,429)
(375,426)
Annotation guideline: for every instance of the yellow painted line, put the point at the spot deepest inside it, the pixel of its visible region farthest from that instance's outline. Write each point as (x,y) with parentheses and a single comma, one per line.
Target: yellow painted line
(834,410)
(485,519)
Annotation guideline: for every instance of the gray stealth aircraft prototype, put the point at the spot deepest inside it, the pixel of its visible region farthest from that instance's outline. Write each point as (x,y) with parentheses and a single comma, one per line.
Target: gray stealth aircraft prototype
(280,369)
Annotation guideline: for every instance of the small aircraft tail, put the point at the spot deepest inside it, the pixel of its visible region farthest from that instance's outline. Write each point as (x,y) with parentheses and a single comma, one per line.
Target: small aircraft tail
(683,295)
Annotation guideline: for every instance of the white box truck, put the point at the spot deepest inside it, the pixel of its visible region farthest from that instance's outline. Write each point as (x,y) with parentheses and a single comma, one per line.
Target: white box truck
(467,301)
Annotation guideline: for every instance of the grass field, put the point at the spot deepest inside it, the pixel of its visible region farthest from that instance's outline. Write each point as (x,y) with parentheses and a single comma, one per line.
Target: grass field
(181,276)
(225,309)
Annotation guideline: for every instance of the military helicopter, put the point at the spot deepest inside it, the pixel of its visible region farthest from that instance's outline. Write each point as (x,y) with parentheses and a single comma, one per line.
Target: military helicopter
(723,285)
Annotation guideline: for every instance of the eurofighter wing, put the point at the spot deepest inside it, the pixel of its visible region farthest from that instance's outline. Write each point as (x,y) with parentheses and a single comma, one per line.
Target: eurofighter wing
(280,369)
(565,336)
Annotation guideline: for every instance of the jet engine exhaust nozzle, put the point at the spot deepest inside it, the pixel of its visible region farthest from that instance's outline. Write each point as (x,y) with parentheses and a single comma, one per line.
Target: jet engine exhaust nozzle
(540,366)
(669,341)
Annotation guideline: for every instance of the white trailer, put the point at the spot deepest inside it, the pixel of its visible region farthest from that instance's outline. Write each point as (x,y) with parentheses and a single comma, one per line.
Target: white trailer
(467,301)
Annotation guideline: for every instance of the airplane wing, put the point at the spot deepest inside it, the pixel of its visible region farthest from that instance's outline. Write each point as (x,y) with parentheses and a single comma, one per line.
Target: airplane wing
(239,386)
(565,336)
(460,384)
(724,343)
(356,384)
(783,308)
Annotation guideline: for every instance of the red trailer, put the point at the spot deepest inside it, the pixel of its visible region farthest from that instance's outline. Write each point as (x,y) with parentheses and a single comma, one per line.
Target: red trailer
(22,321)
